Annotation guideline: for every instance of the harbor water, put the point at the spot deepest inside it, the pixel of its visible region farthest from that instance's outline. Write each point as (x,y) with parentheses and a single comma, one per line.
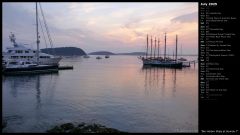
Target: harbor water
(117,92)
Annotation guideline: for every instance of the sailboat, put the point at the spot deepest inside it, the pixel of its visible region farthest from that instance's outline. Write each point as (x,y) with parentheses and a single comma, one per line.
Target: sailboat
(29,66)
(165,62)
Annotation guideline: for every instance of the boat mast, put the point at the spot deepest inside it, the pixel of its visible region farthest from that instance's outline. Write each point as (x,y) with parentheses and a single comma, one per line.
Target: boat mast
(147,47)
(155,47)
(158,47)
(165,48)
(151,47)
(37,34)
(176,48)
(181,49)
(173,54)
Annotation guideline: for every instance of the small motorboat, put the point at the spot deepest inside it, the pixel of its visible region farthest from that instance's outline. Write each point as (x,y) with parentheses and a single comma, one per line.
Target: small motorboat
(24,67)
(86,56)
(98,57)
(182,59)
(107,56)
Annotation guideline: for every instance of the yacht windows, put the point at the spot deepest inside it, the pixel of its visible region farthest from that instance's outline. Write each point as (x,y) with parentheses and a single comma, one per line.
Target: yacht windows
(12,62)
(23,56)
(34,51)
(9,51)
(14,57)
(26,51)
(18,51)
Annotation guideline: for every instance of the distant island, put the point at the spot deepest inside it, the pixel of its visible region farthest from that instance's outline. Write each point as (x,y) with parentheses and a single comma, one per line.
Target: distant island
(64,51)
(132,53)
(74,51)
(111,53)
(102,53)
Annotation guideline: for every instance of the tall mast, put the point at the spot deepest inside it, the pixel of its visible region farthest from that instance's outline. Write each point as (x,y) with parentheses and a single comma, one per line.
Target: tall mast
(165,48)
(158,46)
(151,47)
(176,49)
(147,47)
(155,47)
(37,34)
(173,54)
(181,49)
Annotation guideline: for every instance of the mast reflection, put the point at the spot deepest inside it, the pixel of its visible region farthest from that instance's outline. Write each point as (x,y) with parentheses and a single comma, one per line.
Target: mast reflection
(157,78)
(38,94)
(28,84)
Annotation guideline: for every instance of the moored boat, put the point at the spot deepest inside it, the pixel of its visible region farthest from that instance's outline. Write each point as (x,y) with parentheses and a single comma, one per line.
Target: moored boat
(98,57)
(30,60)
(27,67)
(182,59)
(158,61)
(20,52)
(86,56)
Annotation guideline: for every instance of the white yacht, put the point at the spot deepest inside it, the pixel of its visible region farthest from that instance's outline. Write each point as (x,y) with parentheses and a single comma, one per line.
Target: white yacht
(20,52)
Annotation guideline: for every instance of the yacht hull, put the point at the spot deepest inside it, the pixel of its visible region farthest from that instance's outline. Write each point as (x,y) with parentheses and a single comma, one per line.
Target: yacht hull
(30,70)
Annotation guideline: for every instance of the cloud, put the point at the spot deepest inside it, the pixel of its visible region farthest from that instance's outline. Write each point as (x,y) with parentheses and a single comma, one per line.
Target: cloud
(192,17)
(99,26)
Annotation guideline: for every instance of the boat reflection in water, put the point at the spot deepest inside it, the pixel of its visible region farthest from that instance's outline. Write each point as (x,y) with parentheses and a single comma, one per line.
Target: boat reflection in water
(155,78)
(19,84)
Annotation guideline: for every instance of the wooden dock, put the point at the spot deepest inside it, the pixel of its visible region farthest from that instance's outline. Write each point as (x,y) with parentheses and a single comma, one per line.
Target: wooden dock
(38,71)
(64,67)
(46,71)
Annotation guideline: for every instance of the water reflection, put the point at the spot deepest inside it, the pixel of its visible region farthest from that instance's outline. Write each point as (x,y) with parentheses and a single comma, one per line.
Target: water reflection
(116,92)
(30,83)
(157,78)
(38,97)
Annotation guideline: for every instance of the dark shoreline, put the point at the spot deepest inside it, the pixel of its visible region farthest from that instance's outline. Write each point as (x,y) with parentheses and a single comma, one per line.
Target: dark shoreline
(77,128)
(82,128)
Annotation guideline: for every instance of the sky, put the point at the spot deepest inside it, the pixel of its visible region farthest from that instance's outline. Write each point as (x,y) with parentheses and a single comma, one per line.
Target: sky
(116,27)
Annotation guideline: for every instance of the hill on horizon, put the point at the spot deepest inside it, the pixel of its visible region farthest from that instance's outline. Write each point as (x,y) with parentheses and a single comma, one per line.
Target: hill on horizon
(64,51)
(132,53)
(102,53)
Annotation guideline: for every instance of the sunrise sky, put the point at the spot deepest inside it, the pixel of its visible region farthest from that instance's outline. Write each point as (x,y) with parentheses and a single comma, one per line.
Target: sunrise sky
(115,27)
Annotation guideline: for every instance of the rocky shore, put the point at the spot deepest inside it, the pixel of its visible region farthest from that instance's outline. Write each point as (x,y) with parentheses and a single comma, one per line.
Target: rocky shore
(82,128)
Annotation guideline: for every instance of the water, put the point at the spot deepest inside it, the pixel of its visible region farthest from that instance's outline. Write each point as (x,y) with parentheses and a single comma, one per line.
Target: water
(115,92)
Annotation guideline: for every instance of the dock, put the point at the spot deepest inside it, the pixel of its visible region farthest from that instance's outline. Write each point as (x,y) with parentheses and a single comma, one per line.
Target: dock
(64,67)
(29,71)
(46,71)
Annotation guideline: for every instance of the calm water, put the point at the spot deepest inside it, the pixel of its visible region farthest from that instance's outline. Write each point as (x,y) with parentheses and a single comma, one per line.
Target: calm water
(116,92)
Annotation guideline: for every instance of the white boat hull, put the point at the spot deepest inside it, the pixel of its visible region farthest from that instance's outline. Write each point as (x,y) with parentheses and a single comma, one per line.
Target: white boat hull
(42,61)
(49,61)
